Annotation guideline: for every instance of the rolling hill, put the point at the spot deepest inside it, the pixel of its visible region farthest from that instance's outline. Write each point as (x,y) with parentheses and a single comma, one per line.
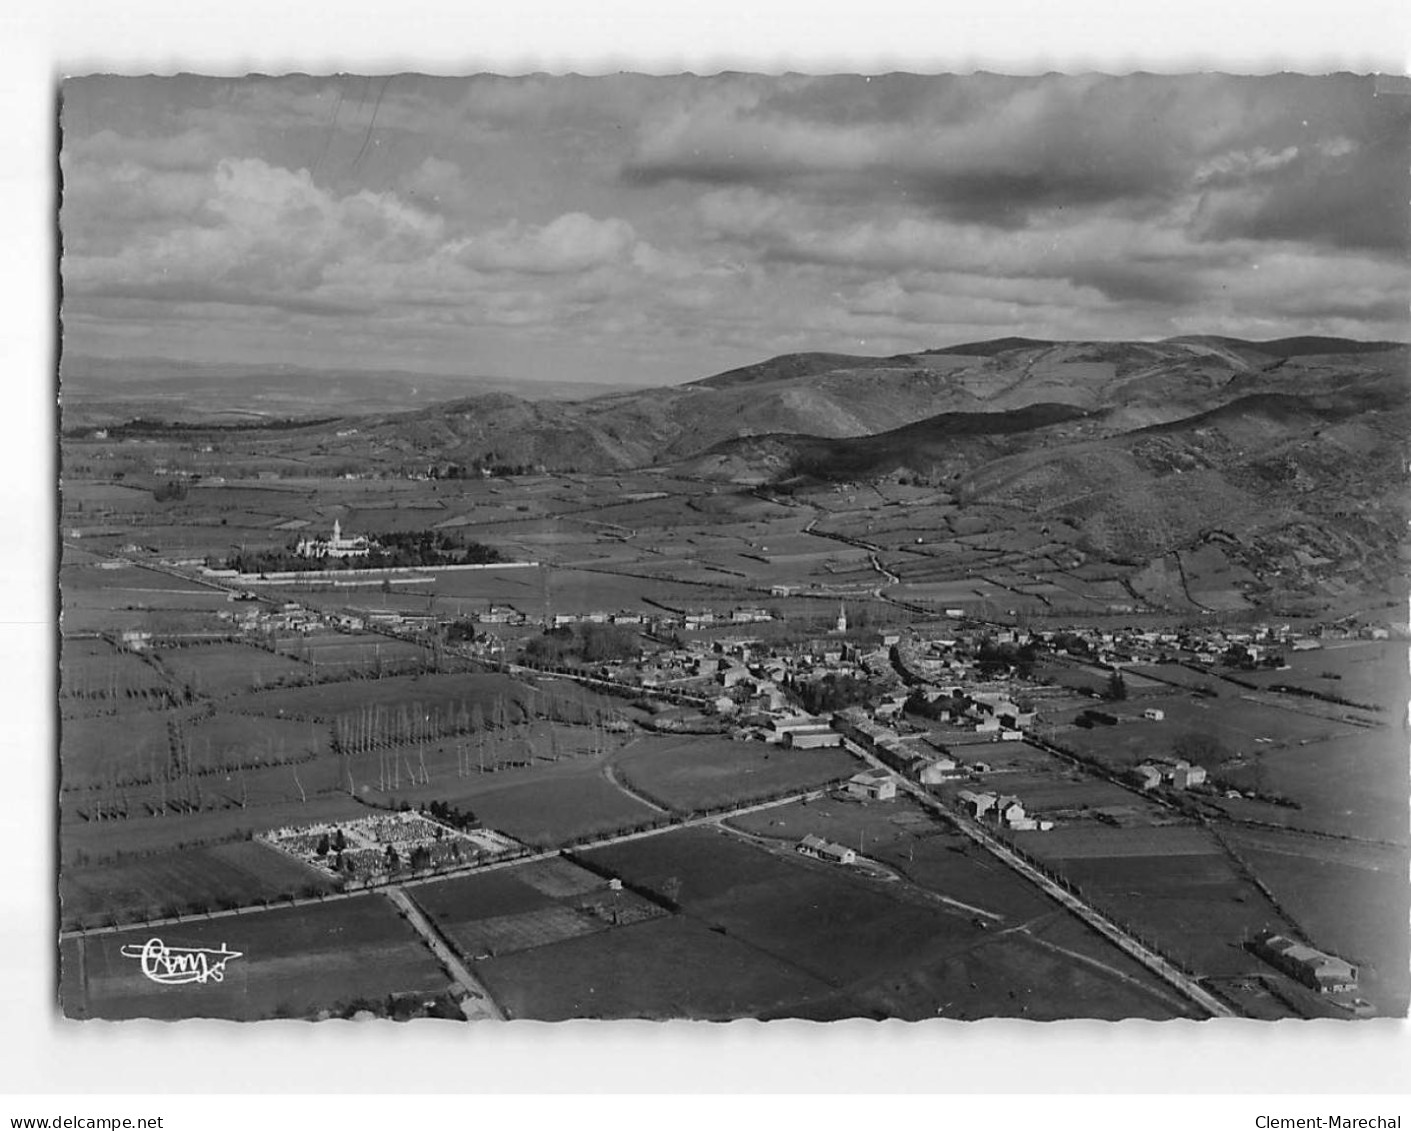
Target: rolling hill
(839,396)
(1292,452)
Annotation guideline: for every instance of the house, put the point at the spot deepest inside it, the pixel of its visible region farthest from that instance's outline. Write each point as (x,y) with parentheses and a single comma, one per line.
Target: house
(820,849)
(978,803)
(1146,775)
(933,771)
(732,674)
(1184,775)
(1315,969)
(872,785)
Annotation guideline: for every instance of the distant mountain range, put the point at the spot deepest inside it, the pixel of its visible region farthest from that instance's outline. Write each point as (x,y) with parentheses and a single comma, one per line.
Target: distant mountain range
(1295,449)
(836,396)
(104,390)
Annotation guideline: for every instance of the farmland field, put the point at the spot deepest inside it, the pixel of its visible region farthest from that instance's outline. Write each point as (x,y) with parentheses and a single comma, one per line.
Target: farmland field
(666,968)
(294,962)
(1099,842)
(1372,672)
(562,809)
(527,906)
(240,873)
(221,821)
(690,774)
(1022,976)
(324,702)
(1327,898)
(1340,785)
(94,670)
(873,825)
(1196,908)
(223,669)
(347,649)
(868,940)
(98,748)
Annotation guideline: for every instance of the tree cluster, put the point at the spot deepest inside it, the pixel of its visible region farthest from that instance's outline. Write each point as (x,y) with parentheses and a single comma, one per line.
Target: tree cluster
(587,643)
(998,659)
(836,691)
(452,815)
(398,550)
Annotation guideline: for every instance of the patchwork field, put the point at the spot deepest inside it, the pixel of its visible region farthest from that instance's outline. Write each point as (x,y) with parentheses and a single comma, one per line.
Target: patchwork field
(868,940)
(531,905)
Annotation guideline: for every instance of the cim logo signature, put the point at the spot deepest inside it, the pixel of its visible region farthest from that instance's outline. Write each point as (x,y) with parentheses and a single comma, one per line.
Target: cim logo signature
(178,965)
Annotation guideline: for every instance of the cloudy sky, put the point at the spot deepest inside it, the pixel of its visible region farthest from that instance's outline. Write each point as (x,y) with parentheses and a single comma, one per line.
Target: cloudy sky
(654,230)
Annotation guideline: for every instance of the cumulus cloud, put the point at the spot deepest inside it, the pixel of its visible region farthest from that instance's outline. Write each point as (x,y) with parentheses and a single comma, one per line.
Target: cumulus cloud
(572,242)
(712,221)
(998,151)
(252,229)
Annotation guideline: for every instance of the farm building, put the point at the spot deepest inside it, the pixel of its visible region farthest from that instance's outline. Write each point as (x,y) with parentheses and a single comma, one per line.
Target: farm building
(812,737)
(1319,971)
(872,785)
(1184,775)
(978,803)
(134,640)
(1179,774)
(1146,775)
(820,849)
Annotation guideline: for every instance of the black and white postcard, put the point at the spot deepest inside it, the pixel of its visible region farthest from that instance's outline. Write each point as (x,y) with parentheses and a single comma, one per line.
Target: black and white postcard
(743,546)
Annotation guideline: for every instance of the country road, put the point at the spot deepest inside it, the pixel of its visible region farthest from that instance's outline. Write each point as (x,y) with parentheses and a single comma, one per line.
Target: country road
(1158,965)
(477,1005)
